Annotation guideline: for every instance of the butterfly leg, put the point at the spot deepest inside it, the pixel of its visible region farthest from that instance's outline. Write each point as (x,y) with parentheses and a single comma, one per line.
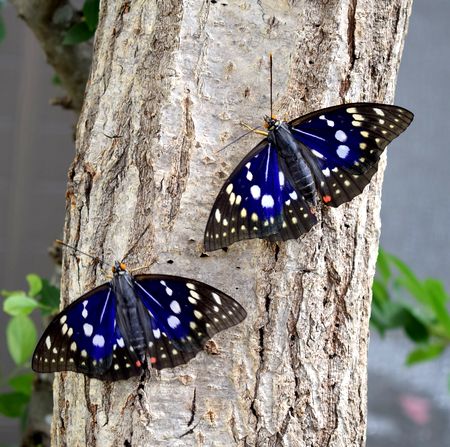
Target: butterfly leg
(142,267)
(257,131)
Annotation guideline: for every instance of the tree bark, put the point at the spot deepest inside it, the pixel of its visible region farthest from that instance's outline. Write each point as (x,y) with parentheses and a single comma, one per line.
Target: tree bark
(170,82)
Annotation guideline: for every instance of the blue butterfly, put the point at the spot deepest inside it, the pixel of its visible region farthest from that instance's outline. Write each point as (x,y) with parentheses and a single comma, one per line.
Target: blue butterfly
(121,328)
(326,156)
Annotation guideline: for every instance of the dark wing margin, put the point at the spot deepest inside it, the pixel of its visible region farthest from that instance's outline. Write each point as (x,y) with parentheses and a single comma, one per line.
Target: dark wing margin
(185,314)
(343,145)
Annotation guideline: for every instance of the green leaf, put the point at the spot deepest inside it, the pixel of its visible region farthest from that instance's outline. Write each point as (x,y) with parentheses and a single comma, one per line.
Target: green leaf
(19,305)
(13,404)
(380,293)
(416,329)
(383,265)
(21,338)
(78,33)
(437,302)
(90,12)
(56,80)
(22,383)
(34,284)
(49,297)
(6,293)
(2,28)
(409,280)
(424,353)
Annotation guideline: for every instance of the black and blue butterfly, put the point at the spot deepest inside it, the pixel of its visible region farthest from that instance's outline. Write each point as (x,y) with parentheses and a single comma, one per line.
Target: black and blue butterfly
(133,323)
(326,156)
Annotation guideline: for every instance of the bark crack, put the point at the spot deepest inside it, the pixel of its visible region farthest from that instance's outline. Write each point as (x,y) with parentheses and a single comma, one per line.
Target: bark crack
(351,48)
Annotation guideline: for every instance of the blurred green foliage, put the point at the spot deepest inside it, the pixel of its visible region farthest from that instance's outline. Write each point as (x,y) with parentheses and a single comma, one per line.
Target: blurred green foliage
(21,339)
(418,307)
(85,28)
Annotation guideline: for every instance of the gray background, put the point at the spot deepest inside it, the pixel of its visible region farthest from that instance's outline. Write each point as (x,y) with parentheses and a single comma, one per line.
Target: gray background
(37,149)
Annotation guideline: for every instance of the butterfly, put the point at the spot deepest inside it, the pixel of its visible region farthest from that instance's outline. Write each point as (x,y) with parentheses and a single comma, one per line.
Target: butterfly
(132,323)
(327,156)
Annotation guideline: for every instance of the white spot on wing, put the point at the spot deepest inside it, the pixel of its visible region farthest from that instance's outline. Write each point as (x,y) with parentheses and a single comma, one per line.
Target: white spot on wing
(173,321)
(342,151)
(281,178)
(293,195)
(98,340)
(255,190)
(216,298)
(175,306)
(88,329)
(217,215)
(341,136)
(249,176)
(156,333)
(326,172)
(120,342)
(378,111)
(48,342)
(267,201)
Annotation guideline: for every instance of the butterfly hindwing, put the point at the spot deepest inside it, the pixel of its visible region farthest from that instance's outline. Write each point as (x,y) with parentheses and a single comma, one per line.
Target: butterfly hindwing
(81,337)
(344,143)
(184,315)
(258,201)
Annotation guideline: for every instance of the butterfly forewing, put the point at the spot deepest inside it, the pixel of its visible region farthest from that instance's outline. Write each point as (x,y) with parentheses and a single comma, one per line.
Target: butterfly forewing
(345,143)
(185,314)
(81,337)
(257,201)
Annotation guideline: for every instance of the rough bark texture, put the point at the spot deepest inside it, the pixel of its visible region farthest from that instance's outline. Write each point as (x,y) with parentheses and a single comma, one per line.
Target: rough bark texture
(170,82)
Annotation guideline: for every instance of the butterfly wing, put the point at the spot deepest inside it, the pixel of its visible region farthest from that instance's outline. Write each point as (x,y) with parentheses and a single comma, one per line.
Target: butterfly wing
(258,201)
(81,338)
(184,315)
(344,144)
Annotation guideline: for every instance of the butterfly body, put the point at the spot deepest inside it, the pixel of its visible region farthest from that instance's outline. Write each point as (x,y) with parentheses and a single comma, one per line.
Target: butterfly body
(289,149)
(327,156)
(123,327)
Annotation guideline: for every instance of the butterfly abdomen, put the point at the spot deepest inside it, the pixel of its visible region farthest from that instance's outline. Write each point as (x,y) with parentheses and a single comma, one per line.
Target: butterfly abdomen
(132,317)
(298,168)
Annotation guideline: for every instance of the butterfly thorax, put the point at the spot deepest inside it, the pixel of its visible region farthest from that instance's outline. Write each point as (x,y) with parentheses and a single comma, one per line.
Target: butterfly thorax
(290,150)
(132,317)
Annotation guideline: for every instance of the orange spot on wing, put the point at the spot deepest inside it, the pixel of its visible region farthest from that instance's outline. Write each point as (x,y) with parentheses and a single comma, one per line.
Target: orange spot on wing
(152,359)
(138,363)
(326,199)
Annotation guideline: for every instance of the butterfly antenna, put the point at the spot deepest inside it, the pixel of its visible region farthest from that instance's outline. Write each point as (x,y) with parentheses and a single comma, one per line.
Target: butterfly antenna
(135,243)
(95,258)
(253,129)
(271,88)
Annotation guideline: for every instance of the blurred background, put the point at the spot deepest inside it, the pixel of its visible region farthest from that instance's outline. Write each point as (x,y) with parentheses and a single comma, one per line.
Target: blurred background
(408,406)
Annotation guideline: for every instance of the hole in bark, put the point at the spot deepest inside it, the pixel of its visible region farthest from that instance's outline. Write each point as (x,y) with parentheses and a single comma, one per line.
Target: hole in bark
(127,443)
(238,267)
(311,62)
(204,255)
(213,1)
(170,261)
(325,288)
(225,249)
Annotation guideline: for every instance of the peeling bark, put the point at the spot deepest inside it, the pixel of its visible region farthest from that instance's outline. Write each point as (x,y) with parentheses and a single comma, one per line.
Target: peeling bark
(170,82)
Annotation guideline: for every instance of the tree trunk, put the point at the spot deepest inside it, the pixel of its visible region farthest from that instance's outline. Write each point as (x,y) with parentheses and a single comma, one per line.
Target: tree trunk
(170,82)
